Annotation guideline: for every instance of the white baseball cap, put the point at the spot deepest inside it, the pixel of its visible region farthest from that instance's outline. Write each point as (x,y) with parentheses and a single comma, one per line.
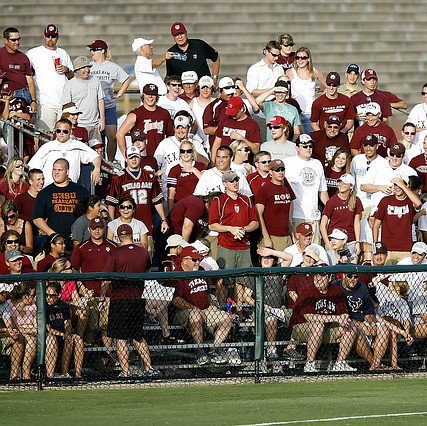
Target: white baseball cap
(176,240)
(372,108)
(133,151)
(189,77)
(338,234)
(313,252)
(419,247)
(227,82)
(6,287)
(139,42)
(181,120)
(206,81)
(347,178)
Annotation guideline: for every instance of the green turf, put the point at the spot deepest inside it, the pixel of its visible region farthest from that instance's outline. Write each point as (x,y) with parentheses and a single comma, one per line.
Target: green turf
(227,404)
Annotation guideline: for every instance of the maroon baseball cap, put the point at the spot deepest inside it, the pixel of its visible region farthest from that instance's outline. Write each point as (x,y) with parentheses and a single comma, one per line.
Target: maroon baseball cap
(278,120)
(379,248)
(334,119)
(233,106)
(398,149)
(369,73)
(370,139)
(190,251)
(304,229)
(51,30)
(124,229)
(98,44)
(333,78)
(178,28)
(137,135)
(150,89)
(96,222)
(276,164)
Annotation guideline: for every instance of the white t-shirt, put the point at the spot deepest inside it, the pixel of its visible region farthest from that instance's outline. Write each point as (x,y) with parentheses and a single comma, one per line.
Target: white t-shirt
(297,255)
(241,169)
(418,116)
(261,76)
(307,179)
(175,106)
(146,74)
(279,151)
(138,227)
(49,84)
(74,151)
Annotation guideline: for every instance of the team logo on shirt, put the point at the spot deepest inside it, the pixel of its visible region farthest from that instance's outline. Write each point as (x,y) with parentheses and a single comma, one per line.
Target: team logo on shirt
(398,211)
(325,306)
(355,304)
(153,125)
(308,176)
(195,56)
(227,131)
(329,152)
(236,208)
(107,249)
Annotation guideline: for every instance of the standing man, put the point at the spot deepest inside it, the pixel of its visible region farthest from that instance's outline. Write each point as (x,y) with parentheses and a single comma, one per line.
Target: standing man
(127,308)
(274,200)
(88,96)
(171,101)
(146,66)
(263,75)
(153,120)
(287,56)
(189,84)
(279,146)
(191,55)
(18,76)
(52,65)
(332,103)
(307,180)
(55,204)
(261,175)
(350,87)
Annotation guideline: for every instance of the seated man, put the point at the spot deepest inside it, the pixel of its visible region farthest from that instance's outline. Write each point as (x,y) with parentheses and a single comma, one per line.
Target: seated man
(197,310)
(322,308)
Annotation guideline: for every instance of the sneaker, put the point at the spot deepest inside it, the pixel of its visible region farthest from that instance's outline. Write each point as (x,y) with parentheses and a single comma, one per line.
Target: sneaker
(171,340)
(233,357)
(122,375)
(202,358)
(152,374)
(292,355)
(271,353)
(113,357)
(342,366)
(220,357)
(65,376)
(310,367)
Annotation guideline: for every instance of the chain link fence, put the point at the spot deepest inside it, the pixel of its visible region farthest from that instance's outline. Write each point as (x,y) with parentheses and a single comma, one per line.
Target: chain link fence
(235,325)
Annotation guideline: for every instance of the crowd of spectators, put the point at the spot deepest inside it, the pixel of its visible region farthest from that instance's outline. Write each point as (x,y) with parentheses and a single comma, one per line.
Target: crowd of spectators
(203,188)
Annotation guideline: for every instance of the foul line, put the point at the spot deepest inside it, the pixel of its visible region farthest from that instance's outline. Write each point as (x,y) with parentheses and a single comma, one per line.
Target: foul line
(336,419)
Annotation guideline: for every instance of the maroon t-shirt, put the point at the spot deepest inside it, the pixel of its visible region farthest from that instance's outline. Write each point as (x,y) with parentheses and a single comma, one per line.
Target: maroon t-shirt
(294,103)
(312,301)
(131,259)
(149,162)
(256,181)
(361,99)
(183,182)
(298,283)
(25,203)
(17,67)
(190,207)
(45,264)
(419,164)
(90,257)
(170,263)
(391,97)
(194,291)
(277,201)
(157,125)
(80,133)
(340,216)
(16,189)
(396,223)
(385,134)
(248,128)
(332,180)
(286,62)
(323,107)
(213,114)
(227,211)
(324,147)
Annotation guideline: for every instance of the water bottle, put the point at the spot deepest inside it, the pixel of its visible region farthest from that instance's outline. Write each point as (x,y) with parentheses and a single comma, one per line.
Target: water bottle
(179,56)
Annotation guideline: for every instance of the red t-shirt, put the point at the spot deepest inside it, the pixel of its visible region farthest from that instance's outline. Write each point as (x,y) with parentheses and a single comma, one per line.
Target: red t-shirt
(130,259)
(332,180)
(247,127)
(391,97)
(419,164)
(256,181)
(277,201)
(45,264)
(144,189)
(340,216)
(396,227)
(359,99)
(213,114)
(190,207)
(25,203)
(286,62)
(323,107)
(184,182)
(312,301)
(17,67)
(170,263)
(16,189)
(385,134)
(298,283)
(227,211)
(324,147)
(194,291)
(149,162)
(80,133)
(90,257)
(156,124)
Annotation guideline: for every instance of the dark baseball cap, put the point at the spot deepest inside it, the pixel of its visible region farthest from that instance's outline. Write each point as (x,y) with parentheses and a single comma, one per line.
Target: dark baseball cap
(370,139)
(150,89)
(190,251)
(98,44)
(304,228)
(353,68)
(51,30)
(379,248)
(178,28)
(96,222)
(333,78)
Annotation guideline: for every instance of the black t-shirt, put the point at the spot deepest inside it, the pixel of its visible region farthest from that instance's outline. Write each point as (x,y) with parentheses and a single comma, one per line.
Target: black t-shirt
(57,204)
(57,314)
(198,53)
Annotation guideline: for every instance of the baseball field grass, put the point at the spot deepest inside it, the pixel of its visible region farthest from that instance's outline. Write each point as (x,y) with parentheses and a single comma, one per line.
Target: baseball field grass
(350,402)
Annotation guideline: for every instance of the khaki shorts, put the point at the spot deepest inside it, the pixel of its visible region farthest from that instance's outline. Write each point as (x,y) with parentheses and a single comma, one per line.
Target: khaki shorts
(213,317)
(394,256)
(331,334)
(279,243)
(6,343)
(97,320)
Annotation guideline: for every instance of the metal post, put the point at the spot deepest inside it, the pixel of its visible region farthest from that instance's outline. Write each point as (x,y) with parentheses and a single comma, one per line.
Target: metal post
(259,324)
(10,141)
(41,331)
(21,143)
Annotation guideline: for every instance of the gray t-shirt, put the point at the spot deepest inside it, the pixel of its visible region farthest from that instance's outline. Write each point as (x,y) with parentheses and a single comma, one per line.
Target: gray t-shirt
(85,94)
(279,152)
(79,229)
(107,73)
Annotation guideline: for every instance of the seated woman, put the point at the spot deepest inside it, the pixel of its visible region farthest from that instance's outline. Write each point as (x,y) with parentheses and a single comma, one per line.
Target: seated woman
(10,241)
(59,328)
(13,182)
(240,163)
(53,250)
(10,221)
(320,308)
(23,313)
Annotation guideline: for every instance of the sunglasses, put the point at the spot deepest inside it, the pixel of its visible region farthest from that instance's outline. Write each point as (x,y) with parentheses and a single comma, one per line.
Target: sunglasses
(273,127)
(287,45)
(185,151)
(423,93)
(12,241)
(96,49)
(229,87)
(12,216)
(265,162)
(309,146)
(15,39)
(175,84)
(244,150)
(51,295)
(234,180)
(301,58)
(332,85)
(353,275)
(51,36)
(280,169)
(396,155)
(193,259)
(122,207)
(21,166)
(409,133)
(64,131)
(274,55)
(70,268)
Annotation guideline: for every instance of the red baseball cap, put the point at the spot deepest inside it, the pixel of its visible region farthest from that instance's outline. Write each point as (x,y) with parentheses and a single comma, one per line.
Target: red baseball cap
(233,106)
(398,149)
(369,73)
(51,30)
(190,251)
(278,120)
(124,229)
(96,222)
(98,44)
(150,89)
(304,229)
(137,135)
(178,28)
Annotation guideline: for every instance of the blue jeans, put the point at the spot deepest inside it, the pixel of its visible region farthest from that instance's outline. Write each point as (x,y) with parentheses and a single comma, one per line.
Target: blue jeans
(24,94)
(306,123)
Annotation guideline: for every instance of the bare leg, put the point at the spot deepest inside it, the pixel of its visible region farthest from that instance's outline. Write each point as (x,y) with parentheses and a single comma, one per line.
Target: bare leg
(78,354)
(30,354)
(346,342)
(51,354)
(110,131)
(363,348)
(195,324)
(16,356)
(122,349)
(314,339)
(223,328)
(221,292)
(393,351)
(271,329)
(380,346)
(142,348)
(67,352)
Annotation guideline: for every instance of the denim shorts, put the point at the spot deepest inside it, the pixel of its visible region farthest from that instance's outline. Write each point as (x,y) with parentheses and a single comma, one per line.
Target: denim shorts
(111,116)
